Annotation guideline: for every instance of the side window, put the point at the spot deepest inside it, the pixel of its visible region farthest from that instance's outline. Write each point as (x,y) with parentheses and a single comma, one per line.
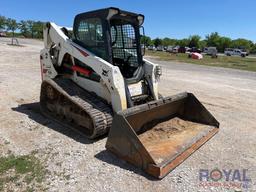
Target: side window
(90,33)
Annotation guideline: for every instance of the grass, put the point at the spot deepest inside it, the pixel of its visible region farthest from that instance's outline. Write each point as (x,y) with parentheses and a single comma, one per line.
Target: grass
(15,170)
(248,64)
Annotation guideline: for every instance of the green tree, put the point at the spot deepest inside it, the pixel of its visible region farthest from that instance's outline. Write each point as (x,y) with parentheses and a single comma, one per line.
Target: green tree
(2,22)
(183,42)
(157,42)
(23,26)
(194,41)
(215,40)
(242,43)
(212,40)
(253,49)
(12,25)
(167,41)
(146,40)
(37,29)
(224,42)
(30,24)
(202,44)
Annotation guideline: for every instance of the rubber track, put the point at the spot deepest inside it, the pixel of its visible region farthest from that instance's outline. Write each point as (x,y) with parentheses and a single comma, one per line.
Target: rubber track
(100,112)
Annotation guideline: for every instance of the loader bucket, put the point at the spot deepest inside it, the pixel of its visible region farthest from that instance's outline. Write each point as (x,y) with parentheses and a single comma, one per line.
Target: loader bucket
(160,135)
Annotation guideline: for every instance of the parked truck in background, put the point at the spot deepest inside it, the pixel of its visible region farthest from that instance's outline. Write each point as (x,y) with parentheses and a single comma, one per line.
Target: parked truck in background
(235,52)
(212,51)
(160,48)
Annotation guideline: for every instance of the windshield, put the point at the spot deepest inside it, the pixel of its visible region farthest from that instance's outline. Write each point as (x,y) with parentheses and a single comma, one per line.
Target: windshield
(90,34)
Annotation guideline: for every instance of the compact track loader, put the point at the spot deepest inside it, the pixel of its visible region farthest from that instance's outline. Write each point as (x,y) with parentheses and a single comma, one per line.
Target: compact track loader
(95,81)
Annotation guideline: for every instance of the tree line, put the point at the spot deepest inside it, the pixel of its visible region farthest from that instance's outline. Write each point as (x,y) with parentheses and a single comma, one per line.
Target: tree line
(25,28)
(34,29)
(211,40)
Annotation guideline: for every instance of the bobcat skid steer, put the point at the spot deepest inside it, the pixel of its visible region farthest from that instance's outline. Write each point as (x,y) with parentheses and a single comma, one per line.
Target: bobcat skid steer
(95,81)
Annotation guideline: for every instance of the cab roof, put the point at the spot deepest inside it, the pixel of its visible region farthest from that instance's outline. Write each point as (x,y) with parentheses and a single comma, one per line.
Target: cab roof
(112,12)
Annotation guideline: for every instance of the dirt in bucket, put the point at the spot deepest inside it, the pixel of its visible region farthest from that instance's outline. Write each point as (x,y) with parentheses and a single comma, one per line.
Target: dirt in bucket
(167,129)
(167,138)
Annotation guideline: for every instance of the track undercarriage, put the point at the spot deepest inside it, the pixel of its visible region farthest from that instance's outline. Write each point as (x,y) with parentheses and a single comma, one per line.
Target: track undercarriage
(65,102)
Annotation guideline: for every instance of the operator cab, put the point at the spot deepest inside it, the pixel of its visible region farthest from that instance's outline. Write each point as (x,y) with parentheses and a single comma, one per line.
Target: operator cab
(113,35)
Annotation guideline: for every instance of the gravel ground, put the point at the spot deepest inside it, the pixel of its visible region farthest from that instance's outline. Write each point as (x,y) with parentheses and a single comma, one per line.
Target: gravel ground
(77,164)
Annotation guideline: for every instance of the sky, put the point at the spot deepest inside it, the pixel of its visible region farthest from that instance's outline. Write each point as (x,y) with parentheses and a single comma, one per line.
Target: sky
(163,18)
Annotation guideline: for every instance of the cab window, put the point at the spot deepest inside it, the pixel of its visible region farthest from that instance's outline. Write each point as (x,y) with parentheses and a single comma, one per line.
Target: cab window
(90,34)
